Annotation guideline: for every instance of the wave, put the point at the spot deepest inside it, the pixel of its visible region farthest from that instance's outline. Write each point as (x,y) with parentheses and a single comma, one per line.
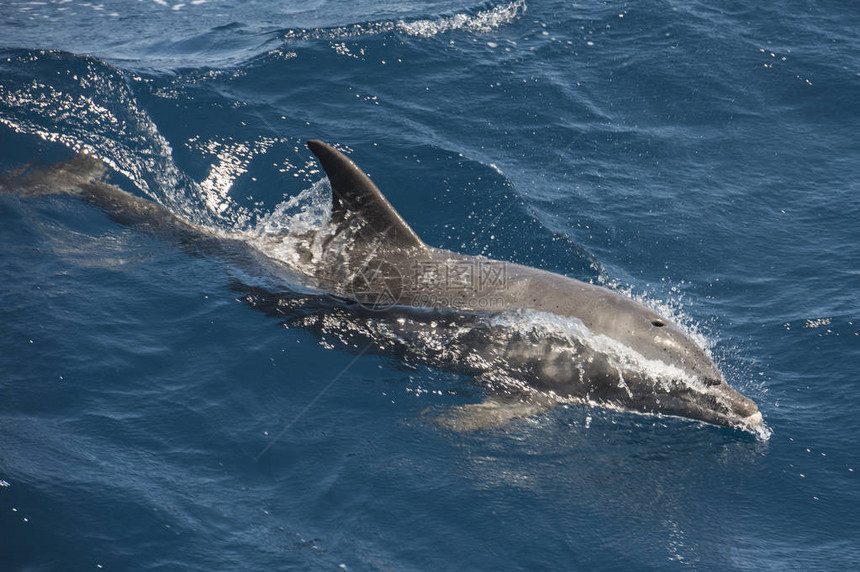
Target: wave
(481,21)
(158,38)
(88,105)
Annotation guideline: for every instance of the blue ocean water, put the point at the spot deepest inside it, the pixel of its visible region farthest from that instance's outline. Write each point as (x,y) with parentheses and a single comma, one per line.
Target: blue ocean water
(702,157)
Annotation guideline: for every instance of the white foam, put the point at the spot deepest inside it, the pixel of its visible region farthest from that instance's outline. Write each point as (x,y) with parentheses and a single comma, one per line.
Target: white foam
(482,22)
(286,232)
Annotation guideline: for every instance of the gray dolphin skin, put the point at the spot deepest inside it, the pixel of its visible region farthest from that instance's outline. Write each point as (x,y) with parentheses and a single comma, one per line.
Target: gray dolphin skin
(534,339)
(630,357)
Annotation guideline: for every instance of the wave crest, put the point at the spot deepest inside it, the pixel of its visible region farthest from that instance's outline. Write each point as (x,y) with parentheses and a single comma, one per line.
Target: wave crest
(483,21)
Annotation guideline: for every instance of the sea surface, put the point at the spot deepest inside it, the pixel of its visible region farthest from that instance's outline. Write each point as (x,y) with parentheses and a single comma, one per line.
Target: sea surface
(703,157)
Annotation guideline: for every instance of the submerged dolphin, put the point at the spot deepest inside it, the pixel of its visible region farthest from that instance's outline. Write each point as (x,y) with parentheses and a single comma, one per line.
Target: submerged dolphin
(537,338)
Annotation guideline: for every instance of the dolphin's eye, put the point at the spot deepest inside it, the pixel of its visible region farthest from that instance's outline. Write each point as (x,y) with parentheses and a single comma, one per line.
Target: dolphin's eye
(658,323)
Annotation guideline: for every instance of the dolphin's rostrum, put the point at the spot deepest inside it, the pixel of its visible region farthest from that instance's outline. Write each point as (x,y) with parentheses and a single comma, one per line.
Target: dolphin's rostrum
(537,339)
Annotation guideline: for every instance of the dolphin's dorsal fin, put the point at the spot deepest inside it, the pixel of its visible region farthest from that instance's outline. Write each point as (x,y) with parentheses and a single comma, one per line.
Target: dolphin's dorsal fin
(352,191)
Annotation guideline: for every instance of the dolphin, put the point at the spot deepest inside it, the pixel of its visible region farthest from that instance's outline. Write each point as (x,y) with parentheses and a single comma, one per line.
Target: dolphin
(614,351)
(534,338)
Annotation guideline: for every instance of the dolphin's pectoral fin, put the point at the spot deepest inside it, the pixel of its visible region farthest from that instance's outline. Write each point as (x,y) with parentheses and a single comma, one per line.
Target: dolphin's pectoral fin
(495,411)
(353,193)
